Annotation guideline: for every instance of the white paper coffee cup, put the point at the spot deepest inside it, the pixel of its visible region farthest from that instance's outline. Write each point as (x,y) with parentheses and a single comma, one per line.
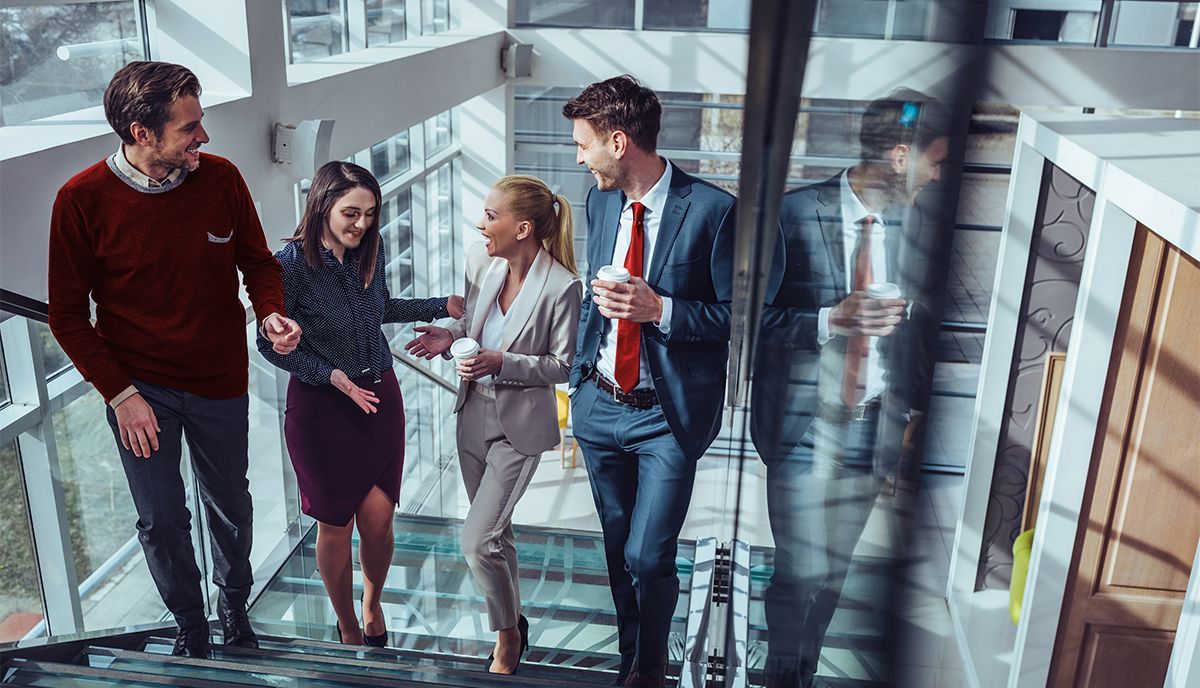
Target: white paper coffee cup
(613,273)
(465,349)
(883,290)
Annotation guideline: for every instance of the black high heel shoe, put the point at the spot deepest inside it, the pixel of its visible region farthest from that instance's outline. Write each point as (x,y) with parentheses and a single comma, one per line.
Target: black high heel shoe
(373,640)
(523,628)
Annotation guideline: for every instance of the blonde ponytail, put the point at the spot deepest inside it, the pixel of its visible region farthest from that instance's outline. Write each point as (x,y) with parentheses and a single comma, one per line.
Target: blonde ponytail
(530,199)
(561,244)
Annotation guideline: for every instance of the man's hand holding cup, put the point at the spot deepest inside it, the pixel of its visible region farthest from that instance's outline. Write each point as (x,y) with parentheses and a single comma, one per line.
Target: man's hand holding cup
(621,296)
(872,313)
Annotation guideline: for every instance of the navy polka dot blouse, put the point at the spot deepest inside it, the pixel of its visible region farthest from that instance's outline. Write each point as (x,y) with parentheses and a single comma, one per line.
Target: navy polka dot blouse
(341,322)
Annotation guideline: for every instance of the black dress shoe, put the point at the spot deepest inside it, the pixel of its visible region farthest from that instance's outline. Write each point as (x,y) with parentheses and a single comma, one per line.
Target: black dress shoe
(235,625)
(192,642)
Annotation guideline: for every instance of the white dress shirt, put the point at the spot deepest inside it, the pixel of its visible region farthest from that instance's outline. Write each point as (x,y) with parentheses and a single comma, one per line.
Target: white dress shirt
(853,214)
(655,201)
(492,335)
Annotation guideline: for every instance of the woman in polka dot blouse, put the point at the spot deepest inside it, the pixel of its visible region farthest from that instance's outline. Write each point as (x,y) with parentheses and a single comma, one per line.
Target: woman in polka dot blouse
(344,422)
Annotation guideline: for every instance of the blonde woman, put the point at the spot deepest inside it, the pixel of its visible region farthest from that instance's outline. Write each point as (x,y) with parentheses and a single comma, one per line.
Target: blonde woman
(523,297)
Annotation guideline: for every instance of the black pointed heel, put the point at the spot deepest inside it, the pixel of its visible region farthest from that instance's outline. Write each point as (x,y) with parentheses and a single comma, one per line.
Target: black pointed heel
(372,640)
(523,628)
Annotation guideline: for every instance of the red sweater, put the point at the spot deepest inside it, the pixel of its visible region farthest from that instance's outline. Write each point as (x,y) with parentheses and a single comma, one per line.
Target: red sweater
(163,271)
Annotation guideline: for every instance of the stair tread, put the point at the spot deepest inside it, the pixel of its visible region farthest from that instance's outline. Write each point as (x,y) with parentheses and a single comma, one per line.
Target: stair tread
(335,654)
(237,666)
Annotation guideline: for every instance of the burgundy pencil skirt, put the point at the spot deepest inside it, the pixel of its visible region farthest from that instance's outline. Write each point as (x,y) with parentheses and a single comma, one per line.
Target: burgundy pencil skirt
(339,452)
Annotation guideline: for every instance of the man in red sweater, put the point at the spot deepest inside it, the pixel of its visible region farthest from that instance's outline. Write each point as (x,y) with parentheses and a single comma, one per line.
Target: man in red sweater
(155,235)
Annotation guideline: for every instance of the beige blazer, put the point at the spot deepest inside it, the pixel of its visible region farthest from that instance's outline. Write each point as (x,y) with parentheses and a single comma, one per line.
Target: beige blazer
(538,344)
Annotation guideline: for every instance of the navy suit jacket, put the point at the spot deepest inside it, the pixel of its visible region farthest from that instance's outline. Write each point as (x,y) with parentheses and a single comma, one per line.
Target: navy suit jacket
(784,396)
(693,265)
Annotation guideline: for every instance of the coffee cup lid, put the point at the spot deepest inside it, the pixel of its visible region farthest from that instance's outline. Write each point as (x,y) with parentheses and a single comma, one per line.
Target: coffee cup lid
(464,348)
(883,290)
(613,273)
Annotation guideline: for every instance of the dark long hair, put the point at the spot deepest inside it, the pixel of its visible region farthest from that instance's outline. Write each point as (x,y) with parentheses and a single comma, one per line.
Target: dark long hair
(330,183)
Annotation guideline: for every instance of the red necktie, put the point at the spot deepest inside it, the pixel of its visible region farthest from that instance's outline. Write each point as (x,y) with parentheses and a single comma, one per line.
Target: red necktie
(854,384)
(629,333)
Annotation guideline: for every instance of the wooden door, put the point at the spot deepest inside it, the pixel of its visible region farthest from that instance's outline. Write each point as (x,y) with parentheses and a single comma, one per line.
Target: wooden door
(1141,511)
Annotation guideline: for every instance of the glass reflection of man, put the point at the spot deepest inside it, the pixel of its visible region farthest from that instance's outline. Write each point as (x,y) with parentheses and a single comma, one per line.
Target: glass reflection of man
(857,275)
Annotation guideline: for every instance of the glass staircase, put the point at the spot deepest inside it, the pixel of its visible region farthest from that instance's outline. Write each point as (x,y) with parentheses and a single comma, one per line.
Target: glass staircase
(438,632)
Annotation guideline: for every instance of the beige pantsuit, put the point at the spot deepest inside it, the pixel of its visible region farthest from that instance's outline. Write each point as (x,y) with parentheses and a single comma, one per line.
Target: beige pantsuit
(503,428)
(496,476)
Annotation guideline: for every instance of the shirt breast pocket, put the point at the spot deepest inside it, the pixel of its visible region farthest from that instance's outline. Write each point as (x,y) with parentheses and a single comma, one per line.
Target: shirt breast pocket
(218,248)
(220,236)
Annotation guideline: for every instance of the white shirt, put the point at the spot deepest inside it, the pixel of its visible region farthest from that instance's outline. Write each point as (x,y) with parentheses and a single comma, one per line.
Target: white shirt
(853,213)
(137,176)
(655,201)
(492,335)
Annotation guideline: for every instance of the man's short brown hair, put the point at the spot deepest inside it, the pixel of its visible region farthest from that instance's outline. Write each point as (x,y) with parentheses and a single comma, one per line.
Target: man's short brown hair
(904,117)
(621,103)
(143,92)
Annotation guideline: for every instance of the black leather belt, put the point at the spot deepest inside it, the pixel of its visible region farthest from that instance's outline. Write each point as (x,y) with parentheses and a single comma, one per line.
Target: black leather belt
(638,398)
(838,413)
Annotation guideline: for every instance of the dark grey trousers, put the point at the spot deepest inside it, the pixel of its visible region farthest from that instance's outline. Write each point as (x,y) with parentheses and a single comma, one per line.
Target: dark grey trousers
(216,431)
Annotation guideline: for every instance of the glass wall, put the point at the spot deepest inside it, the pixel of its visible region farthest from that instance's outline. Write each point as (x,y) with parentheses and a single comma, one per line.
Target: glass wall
(5,397)
(617,14)
(115,587)
(59,58)
(71,445)
(321,28)
(316,29)
(435,16)
(385,22)
(20,594)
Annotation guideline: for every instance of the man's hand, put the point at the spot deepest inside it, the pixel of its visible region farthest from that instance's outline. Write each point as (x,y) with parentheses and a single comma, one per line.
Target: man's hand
(283,333)
(486,362)
(456,307)
(138,426)
(434,341)
(365,398)
(858,315)
(633,300)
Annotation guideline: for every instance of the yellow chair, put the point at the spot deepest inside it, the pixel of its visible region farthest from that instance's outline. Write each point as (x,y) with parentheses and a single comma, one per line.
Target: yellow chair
(564,412)
(1022,549)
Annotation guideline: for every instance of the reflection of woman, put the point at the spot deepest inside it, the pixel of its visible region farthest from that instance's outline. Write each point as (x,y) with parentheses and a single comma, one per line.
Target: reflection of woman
(348,453)
(523,299)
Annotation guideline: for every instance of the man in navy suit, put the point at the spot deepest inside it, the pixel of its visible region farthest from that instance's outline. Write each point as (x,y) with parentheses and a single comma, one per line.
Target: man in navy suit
(843,376)
(649,367)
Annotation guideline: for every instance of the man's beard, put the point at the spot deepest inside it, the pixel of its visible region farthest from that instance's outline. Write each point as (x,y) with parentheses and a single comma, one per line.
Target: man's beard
(181,162)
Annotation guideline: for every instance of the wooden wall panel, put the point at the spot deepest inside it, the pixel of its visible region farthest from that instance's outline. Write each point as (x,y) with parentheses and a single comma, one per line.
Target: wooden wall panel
(1116,657)
(1139,526)
(1155,523)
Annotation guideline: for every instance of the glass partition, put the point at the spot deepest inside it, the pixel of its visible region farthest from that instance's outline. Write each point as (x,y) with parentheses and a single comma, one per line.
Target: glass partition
(385,22)
(435,16)
(593,15)
(5,396)
(114,584)
(316,29)
(697,15)
(20,594)
(59,57)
